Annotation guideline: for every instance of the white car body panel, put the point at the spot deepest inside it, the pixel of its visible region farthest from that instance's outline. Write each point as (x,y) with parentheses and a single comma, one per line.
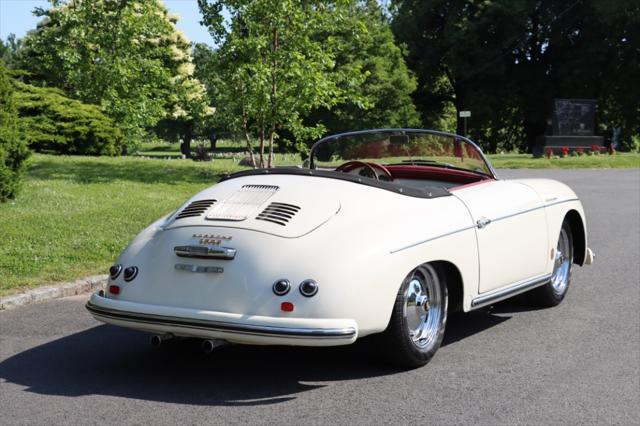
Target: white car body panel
(516,220)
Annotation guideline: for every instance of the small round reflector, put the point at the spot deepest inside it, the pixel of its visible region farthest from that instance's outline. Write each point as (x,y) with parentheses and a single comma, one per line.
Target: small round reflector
(114,271)
(308,288)
(287,306)
(281,287)
(130,273)
(114,289)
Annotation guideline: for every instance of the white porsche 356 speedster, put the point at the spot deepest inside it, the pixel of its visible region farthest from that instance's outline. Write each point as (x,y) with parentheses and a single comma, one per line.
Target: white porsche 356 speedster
(383,231)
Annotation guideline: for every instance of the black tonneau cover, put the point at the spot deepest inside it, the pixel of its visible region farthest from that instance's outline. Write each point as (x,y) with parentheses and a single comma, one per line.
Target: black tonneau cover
(410,191)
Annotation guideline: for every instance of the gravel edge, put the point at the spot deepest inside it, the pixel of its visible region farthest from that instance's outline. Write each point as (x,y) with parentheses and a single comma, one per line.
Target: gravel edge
(54,291)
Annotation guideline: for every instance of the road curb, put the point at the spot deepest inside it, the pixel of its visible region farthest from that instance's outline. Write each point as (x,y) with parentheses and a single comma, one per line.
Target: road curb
(54,291)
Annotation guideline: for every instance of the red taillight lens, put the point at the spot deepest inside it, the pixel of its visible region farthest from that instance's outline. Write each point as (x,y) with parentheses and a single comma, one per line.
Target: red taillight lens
(114,289)
(287,306)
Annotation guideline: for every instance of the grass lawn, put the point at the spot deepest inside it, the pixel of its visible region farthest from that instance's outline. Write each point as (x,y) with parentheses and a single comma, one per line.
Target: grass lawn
(75,214)
(525,161)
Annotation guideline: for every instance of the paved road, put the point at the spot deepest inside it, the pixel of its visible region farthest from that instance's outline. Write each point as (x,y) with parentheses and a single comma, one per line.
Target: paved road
(577,363)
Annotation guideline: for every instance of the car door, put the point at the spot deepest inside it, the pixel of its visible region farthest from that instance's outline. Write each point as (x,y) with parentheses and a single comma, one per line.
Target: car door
(511,231)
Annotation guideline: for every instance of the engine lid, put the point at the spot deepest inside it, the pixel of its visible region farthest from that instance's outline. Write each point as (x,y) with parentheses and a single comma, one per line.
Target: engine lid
(278,205)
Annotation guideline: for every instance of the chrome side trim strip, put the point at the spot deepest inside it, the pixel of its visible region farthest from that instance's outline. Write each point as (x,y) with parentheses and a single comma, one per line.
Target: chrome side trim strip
(504,293)
(562,201)
(532,209)
(483,225)
(227,327)
(431,239)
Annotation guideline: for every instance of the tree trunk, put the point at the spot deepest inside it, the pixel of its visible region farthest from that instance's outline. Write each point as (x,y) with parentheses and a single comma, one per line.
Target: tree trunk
(214,141)
(274,91)
(245,127)
(262,143)
(185,146)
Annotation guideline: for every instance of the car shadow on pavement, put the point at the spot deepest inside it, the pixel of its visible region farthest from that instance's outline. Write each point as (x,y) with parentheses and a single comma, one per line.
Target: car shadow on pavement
(108,360)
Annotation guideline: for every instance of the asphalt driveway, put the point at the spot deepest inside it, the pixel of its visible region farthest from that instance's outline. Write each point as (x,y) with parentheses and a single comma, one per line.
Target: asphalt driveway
(578,363)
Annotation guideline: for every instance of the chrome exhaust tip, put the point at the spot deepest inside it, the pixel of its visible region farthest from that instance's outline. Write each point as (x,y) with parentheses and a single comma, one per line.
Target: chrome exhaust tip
(157,339)
(209,346)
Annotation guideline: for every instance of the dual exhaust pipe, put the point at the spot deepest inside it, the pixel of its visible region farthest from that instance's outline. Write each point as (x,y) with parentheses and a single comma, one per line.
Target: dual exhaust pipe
(207,345)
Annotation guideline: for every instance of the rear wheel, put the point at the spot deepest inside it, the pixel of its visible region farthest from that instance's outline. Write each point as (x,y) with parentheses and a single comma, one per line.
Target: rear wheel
(418,319)
(552,293)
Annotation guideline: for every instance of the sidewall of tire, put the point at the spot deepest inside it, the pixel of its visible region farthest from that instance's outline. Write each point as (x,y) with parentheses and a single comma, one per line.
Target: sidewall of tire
(545,295)
(396,340)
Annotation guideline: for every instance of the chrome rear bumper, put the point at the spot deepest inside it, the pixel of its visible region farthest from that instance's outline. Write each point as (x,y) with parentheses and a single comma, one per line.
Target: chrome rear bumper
(246,332)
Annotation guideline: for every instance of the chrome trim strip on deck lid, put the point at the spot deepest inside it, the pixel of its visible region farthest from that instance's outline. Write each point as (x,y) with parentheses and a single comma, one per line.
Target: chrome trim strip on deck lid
(206,252)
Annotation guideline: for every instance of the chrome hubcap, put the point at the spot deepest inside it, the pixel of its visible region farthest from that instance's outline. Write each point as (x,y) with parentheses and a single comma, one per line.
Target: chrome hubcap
(423,306)
(562,265)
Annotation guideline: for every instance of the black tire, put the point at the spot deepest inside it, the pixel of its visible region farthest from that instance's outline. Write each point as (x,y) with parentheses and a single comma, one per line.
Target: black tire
(554,292)
(398,343)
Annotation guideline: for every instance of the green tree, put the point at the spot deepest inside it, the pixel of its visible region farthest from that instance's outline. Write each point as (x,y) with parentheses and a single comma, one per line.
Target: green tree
(124,55)
(272,70)
(13,151)
(385,94)
(9,48)
(507,59)
(51,122)
(456,49)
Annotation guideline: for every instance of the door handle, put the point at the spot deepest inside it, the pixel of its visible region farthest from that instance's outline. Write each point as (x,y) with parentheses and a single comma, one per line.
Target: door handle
(482,222)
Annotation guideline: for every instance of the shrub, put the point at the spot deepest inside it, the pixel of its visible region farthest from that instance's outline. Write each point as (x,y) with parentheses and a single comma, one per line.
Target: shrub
(13,151)
(565,151)
(51,122)
(595,149)
(549,153)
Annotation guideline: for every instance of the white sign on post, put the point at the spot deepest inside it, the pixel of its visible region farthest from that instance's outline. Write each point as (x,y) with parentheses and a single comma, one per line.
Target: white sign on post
(465,114)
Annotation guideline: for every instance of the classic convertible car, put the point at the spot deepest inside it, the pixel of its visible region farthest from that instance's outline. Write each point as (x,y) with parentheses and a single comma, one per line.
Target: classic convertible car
(382,232)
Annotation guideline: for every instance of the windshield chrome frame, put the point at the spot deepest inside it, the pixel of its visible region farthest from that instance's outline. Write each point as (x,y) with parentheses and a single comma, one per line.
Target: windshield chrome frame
(494,175)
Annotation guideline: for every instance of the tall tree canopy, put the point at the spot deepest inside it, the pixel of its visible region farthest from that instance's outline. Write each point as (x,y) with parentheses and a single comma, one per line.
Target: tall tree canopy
(273,70)
(124,55)
(507,59)
(385,94)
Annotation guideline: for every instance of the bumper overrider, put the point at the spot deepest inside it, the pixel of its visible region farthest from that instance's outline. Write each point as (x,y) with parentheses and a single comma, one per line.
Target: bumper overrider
(237,328)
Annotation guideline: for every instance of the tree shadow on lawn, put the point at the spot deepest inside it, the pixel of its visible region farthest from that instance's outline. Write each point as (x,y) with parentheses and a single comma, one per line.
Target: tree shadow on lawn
(113,169)
(108,360)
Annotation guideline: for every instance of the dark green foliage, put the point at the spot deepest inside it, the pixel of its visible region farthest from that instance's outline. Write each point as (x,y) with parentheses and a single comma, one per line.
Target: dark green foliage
(505,60)
(388,85)
(13,151)
(9,49)
(51,122)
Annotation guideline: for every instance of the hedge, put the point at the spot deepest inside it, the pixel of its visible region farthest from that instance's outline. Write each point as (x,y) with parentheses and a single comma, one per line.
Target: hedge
(53,123)
(13,151)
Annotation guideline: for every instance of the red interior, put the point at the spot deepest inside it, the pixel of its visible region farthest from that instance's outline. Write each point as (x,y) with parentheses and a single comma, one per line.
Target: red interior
(435,173)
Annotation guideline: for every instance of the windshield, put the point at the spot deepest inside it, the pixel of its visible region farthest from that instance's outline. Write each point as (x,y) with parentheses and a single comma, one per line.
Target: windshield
(400,147)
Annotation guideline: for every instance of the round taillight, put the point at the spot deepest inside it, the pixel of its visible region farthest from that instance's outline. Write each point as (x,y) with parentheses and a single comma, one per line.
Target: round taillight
(281,287)
(130,273)
(114,271)
(308,288)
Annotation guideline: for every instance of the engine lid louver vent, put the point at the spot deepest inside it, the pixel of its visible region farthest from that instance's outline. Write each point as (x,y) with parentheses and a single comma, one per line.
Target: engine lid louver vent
(196,208)
(279,213)
(242,203)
